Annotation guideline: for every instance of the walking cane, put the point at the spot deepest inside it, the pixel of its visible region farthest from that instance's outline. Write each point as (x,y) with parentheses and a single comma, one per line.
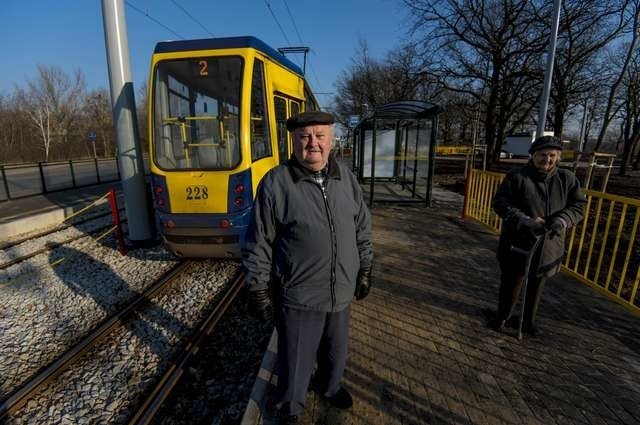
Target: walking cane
(528,254)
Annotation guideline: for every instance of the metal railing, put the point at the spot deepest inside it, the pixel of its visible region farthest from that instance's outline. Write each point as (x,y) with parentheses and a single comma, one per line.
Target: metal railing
(23,180)
(602,251)
(453,150)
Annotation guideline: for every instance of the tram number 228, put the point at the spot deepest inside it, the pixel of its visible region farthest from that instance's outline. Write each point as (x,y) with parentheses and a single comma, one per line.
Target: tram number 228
(196,192)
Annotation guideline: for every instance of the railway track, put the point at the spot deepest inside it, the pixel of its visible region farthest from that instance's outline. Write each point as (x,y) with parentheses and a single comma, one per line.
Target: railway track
(14,255)
(4,245)
(115,373)
(99,233)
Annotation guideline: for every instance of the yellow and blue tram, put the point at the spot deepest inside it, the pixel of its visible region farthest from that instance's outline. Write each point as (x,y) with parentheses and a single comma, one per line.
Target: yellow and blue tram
(217,123)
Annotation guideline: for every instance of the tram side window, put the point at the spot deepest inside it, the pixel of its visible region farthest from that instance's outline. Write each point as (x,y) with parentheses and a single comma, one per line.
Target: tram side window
(281,127)
(295,108)
(260,143)
(310,104)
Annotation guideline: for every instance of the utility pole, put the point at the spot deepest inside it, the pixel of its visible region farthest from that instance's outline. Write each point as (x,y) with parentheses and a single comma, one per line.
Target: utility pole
(548,73)
(583,133)
(124,118)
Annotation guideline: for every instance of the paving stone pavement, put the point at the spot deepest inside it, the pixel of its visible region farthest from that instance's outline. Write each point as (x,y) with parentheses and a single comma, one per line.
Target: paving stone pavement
(420,352)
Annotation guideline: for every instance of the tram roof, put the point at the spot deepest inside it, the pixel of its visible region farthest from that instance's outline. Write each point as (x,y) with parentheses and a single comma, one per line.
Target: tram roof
(227,43)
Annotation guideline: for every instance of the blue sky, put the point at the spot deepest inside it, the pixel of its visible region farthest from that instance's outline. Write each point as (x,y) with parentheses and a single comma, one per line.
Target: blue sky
(69,33)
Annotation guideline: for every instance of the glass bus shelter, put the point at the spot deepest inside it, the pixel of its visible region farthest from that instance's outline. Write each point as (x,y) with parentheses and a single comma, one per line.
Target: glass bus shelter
(394,151)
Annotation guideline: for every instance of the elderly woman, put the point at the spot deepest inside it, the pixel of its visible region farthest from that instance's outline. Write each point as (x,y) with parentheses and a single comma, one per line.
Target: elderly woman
(539,198)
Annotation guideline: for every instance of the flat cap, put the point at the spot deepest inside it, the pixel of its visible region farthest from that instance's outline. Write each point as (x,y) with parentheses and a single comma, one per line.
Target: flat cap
(545,142)
(310,118)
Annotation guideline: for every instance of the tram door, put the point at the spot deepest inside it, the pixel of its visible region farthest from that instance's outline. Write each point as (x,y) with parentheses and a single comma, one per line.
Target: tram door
(284,108)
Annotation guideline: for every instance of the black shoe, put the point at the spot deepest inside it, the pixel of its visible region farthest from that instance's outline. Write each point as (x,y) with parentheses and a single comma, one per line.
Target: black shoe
(341,400)
(314,385)
(513,322)
(287,419)
(280,414)
(531,329)
(497,324)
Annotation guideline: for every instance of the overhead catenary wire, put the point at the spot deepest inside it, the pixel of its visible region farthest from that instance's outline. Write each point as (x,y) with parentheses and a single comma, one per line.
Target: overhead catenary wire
(295,27)
(273,15)
(192,18)
(293,21)
(137,9)
(313,71)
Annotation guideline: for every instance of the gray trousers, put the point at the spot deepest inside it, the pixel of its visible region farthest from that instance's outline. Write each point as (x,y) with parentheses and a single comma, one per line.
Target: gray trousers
(304,338)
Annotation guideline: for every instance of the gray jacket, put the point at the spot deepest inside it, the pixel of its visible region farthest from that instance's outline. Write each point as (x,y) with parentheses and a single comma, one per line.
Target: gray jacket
(528,192)
(306,241)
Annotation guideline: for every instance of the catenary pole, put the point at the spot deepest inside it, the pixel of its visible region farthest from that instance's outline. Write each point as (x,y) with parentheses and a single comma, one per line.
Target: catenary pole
(124,118)
(548,73)
(583,128)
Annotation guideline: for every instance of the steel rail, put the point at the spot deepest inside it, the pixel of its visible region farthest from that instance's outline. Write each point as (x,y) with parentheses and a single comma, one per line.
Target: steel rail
(9,244)
(16,400)
(166,383)
(51,246)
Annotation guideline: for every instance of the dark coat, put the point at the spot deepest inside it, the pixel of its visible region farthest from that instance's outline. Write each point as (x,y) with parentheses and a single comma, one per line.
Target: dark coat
(308,243)
(528,192)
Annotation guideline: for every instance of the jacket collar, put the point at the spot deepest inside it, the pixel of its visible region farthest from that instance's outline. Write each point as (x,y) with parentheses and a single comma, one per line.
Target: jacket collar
(299,172)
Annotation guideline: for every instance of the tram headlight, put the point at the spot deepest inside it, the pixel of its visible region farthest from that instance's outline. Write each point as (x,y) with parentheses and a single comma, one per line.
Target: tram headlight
(170,224)
(224,223)
(238,201)
(239,188)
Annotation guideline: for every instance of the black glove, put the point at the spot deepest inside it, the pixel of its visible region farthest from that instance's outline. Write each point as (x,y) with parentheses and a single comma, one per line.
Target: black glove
(556,226)
(363,283)
(260,303)
(533,225)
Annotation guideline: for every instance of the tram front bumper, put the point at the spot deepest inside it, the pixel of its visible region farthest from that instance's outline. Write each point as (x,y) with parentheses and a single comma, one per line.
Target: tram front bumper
(204,242)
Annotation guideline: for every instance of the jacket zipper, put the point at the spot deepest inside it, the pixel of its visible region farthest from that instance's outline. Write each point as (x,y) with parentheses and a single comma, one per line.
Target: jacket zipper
(332,282)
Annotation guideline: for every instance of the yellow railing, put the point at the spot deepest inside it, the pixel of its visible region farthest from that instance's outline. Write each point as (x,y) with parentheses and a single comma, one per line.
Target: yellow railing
(603,251)
(453,150)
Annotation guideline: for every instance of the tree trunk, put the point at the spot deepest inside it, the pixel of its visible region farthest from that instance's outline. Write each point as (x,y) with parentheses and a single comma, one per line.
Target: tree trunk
(608,116)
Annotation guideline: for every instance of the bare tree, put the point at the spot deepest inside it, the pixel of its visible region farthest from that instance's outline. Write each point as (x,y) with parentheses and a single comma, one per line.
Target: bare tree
(97,112)
(7,134)
(632,14)
(52,101)
(370,82)
(630,112)
(356,88)
(488,49)
(586,27)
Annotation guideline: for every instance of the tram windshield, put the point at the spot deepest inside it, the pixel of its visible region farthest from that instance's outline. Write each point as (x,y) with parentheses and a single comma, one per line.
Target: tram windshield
(196,107)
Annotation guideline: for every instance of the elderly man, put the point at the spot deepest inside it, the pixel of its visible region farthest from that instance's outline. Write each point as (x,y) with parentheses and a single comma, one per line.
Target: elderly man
(539,198)
(308,252)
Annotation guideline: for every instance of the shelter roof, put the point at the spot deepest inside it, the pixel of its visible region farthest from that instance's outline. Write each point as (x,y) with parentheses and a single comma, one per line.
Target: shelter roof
(407,109)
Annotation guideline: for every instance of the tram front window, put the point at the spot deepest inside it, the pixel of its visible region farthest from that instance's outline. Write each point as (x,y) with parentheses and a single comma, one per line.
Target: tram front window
(196,107)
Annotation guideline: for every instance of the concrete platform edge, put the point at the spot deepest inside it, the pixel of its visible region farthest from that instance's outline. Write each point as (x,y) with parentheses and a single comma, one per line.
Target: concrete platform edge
(39,220)
(253,413)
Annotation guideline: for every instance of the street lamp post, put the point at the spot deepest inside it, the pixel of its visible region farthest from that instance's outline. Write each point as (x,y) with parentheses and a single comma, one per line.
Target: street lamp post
(548,74)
